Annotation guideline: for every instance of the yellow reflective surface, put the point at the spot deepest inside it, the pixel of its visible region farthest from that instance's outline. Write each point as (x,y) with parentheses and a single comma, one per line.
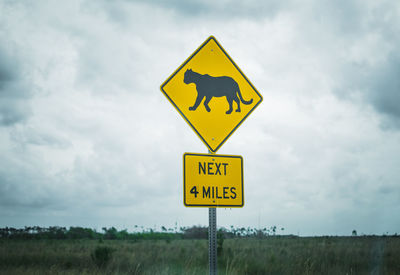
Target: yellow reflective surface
(212,180)
(213,126)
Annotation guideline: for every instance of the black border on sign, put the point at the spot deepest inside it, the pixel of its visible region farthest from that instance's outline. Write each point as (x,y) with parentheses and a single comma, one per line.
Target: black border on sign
(211,156)
(187,120)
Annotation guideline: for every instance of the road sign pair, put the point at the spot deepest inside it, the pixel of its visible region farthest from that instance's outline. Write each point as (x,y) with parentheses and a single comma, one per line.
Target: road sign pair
(214,97)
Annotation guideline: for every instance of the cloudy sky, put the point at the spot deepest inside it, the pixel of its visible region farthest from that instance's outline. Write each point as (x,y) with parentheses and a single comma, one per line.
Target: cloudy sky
(88,139)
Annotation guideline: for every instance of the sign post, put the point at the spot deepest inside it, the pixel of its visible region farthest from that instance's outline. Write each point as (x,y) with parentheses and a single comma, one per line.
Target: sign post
(212,240)
(214,97)
(211,180)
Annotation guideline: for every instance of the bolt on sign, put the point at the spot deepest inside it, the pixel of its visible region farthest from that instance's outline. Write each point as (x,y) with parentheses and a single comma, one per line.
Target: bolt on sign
(212,180)
(211,93)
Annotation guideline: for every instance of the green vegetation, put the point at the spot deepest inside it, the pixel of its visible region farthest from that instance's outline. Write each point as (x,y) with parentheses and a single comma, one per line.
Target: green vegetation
(76,233)
(181,253)
(101,256)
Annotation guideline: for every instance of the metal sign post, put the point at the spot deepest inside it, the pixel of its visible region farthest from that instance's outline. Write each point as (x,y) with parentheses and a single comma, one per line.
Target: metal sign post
(215,181)
(212,240)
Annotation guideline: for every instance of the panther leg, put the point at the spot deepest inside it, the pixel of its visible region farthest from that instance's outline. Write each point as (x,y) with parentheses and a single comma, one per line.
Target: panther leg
(197,103)
(206,103)
(238,103)
(230,106)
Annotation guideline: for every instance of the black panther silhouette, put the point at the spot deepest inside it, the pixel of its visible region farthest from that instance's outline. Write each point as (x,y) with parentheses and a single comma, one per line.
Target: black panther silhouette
(209,86)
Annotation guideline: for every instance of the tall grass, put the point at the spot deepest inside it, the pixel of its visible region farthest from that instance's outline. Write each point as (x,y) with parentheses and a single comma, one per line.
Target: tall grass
(272,255)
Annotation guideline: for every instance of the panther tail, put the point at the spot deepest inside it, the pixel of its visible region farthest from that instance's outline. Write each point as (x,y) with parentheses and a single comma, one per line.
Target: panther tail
(241,98)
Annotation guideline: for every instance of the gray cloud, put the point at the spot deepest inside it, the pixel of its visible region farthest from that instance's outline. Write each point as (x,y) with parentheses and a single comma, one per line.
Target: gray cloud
(226,10)
(14,94)
(103,146)
(24,185)
(367,37)
(384,90)
(30,136)
(378,84)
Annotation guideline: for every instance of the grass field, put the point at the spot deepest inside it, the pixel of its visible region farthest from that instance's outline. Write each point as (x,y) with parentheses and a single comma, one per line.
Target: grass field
(271,255)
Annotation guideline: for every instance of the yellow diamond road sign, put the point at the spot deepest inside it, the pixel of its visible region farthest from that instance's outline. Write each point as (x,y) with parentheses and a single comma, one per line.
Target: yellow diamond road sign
(211,93)
(212,180)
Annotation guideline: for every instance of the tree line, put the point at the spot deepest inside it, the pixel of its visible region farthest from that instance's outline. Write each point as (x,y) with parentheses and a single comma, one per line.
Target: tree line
(193,232)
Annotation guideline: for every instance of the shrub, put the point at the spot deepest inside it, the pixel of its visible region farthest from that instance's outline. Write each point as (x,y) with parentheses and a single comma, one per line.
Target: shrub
(220,242)
(102,255)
